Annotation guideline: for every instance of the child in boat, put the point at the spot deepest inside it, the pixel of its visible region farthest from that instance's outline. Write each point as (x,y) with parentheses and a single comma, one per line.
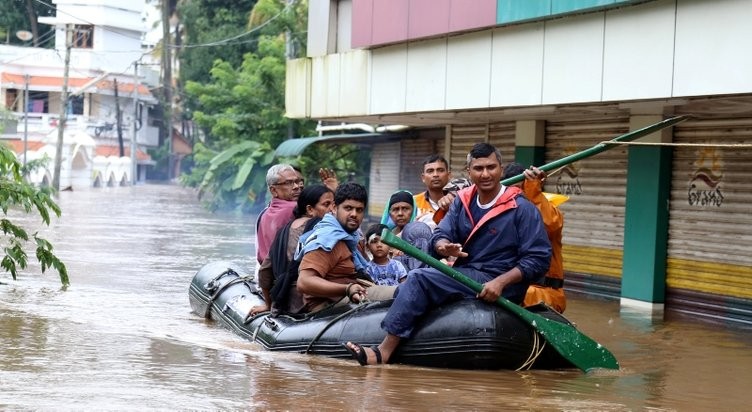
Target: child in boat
(382,269)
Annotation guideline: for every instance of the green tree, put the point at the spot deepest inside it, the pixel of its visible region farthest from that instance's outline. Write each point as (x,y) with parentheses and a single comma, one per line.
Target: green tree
(17,194)
(18,15)
(241,111)
(207,24)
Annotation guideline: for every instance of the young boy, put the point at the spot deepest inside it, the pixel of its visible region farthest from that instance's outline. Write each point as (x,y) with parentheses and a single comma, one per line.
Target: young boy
(382,269)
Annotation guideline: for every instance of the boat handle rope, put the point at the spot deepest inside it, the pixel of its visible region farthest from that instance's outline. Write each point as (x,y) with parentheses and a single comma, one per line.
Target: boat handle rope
(217,290)
(360,306)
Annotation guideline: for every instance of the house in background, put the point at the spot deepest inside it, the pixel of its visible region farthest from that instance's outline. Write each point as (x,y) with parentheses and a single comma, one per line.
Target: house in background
(664,224)
(109,104)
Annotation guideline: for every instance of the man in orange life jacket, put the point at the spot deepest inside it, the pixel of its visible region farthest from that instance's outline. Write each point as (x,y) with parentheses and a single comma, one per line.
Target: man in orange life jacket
(550,291)
(499,240)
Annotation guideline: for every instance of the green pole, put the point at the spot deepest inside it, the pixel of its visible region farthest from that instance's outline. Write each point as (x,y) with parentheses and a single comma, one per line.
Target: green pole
(600,147)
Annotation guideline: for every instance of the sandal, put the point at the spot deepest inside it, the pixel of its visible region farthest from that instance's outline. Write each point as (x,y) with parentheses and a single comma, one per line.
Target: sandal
(360,355)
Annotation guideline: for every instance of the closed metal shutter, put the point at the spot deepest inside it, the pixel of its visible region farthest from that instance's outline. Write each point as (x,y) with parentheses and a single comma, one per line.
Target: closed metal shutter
(501,135)
(710,242)
(384,176)
(463,137)
(413,152)
(594,215)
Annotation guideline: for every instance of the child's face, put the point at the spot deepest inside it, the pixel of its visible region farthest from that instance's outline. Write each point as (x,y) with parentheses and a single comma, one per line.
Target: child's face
(378,249)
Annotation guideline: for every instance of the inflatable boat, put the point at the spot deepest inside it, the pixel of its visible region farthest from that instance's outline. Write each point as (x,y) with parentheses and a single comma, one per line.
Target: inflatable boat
(466,334)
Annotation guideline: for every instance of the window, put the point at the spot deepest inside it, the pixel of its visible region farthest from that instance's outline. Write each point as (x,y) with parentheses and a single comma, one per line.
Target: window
(38,102)
(83,36)
(76,105)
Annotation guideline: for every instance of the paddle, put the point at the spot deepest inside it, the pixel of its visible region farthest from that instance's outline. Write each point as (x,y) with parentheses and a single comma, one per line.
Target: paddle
(600,147)
(572,344)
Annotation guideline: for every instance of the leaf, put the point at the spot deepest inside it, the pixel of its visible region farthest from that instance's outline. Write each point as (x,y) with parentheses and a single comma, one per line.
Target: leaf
(243,173)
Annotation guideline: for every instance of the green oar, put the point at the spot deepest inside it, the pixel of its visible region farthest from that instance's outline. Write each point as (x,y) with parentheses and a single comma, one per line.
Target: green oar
(572,344)
(600,147)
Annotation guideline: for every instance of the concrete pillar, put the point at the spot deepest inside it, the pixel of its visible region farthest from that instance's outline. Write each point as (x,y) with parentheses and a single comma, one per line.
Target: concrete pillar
(643,282)
(529,142)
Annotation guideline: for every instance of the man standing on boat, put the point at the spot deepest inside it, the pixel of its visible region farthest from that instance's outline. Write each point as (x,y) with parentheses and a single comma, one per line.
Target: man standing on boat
(499,240)
(285,185)
(435,176)
(332,268)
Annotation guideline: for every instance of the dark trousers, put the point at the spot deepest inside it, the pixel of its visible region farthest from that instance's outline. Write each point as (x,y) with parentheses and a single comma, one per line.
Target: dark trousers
(424,289)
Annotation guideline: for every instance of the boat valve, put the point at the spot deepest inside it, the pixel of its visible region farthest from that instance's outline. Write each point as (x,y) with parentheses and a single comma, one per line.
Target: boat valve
(271,324)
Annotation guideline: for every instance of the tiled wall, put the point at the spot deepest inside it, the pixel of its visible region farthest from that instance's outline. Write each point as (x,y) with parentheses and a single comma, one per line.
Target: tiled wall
(382,22)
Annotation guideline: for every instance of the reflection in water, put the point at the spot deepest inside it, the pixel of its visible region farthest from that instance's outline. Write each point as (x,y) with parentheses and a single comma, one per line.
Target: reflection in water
(121,337)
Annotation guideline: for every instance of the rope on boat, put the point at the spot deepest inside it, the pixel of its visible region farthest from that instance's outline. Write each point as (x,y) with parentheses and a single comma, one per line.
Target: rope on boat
(537,348)
(721,145)
(360,306)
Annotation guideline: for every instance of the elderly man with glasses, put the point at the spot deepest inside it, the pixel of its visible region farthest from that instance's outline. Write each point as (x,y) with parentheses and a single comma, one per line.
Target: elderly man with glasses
(285,184)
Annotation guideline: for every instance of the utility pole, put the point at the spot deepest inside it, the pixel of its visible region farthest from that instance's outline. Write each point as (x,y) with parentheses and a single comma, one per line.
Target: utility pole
(63,110)
(134,159)
(167,82)
(26,117)
(119,120)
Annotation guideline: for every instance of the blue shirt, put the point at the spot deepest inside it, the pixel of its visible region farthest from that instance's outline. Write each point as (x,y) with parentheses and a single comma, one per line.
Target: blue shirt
(387,275)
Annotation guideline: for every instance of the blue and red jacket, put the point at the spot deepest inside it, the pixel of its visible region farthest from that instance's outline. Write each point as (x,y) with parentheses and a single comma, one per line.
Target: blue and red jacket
(510,234)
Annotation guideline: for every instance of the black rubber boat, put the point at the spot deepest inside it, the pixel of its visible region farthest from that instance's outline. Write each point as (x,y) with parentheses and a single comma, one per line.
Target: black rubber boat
(467,334)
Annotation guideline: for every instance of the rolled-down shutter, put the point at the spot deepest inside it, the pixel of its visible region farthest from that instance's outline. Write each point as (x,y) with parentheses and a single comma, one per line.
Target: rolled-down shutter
(594,215)
(501,135)
(412,154)
(384,176)
(463,137)
(710,241)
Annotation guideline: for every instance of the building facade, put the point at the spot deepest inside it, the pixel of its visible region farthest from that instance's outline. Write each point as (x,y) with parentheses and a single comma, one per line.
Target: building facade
(109,103)
(659,223)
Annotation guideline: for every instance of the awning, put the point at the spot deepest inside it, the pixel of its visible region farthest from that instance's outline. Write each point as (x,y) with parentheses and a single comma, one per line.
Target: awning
(295,147)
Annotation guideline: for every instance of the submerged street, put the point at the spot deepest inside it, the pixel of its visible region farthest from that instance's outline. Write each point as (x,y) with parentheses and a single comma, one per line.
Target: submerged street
(122,336)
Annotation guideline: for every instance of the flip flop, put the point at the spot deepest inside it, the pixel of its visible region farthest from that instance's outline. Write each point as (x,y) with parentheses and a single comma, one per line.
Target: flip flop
(360,355)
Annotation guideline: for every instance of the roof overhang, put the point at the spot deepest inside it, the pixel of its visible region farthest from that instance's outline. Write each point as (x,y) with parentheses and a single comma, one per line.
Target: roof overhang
(294,147)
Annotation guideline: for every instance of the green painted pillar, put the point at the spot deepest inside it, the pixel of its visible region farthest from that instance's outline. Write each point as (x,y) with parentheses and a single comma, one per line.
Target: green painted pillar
(646,220)
(529,143)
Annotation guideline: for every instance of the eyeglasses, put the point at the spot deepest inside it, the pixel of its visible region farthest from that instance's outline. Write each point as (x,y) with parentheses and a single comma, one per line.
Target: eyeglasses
(290,183)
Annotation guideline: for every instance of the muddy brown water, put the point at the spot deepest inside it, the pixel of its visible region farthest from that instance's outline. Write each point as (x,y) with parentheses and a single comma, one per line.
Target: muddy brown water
(122,337)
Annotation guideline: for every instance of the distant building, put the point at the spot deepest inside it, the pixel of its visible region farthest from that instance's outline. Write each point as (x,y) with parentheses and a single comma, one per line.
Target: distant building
(106,50)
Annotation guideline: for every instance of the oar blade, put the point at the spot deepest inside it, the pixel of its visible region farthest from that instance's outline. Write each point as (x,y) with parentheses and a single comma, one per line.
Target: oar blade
(576,347)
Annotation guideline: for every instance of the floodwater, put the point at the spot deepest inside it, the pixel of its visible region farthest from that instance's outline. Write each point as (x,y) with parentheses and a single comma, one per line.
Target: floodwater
(122,337)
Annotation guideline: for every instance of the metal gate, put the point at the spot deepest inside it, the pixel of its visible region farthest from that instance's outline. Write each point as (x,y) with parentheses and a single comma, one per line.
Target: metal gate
(710,243)
(384,176)
(594,215)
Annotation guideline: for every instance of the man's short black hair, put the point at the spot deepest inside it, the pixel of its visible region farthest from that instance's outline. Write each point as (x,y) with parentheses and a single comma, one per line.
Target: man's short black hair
(433,159)
(482,150)
(513,169)
(350,191)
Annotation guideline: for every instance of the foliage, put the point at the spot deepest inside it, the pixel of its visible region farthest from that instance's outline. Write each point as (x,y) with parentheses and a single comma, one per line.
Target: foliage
(16,193)
(277,17)
(231,178)
(208,21)
(241,111)
(16,15)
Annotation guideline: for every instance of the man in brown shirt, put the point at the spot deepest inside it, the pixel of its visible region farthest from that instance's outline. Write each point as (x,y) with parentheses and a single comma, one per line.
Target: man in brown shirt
(332,267)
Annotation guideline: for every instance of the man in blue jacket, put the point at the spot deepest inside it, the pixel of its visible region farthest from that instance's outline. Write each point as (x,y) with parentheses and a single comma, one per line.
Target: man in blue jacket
(499,240)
